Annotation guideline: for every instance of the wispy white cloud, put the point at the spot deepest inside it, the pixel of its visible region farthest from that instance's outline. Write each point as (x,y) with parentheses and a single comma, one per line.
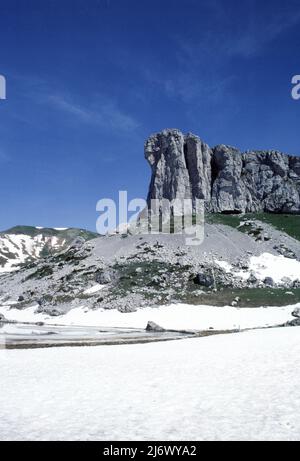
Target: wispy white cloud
(194,87)
(103,111)
(107,114)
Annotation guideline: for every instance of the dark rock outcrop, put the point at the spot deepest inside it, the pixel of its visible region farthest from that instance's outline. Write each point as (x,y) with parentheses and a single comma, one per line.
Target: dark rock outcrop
(296,313)
(227,180)
(103,277)
(269,281)
(152,326)
(2,318)
(204,280)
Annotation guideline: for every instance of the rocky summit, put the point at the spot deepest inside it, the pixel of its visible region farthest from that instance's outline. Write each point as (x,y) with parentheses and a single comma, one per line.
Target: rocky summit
(228,180)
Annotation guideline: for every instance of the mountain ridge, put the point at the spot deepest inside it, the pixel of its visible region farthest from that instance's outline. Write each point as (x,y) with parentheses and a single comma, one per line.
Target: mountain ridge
(228,180)
(23,244)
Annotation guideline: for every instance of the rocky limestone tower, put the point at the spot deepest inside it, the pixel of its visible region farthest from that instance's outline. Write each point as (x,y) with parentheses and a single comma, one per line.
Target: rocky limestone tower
(181,166)
(229,181)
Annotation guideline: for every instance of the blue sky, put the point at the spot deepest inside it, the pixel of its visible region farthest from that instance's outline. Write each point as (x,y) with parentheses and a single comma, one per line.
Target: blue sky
(89,80)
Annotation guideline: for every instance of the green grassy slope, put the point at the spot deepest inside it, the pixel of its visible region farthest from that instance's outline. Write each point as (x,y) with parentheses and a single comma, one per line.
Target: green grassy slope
(290,224)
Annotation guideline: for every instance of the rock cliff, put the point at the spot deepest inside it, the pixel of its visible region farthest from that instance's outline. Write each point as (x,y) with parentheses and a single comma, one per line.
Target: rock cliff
(229,181)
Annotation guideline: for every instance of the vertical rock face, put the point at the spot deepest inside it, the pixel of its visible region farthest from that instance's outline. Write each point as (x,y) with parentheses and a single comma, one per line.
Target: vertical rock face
(170,178)
(227,180)
(181,166)
(198,161)
(228,190)
(272,184)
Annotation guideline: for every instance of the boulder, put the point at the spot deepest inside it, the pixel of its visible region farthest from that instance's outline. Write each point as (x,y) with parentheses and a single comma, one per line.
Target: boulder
(205,280)
(252,278)
(103,277)
(296,312)
(2,318)
(77,243)
(152,326)
(294,323)
(269,281)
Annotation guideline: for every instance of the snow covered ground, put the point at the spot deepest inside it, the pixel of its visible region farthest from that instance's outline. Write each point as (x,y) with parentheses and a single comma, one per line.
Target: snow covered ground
(242,386)
(266,265)
(174,316)
(15,249)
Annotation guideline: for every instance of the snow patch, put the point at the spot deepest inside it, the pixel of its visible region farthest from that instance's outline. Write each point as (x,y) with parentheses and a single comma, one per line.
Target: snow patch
(224,265)
(277,267)
(266,265)
(174,316)
(16,249)
(93,289)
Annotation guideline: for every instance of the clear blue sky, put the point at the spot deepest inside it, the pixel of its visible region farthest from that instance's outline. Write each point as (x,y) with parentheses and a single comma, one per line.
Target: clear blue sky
(89,80)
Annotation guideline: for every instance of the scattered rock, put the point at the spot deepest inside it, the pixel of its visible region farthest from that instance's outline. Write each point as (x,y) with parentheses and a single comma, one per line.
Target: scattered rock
(286,281)
(267,237)
(252,279)
(296,312)
(152,326)
(293,323)
(2,318)
(77,243)
(103,277)
(269,281)
(284,251)
(204,280)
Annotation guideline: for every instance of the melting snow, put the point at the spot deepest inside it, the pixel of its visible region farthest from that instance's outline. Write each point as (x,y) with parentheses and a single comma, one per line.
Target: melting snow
(93,289)
(224,265)
(277,267)
(241,386)
(175,316)
(267,265)
(16,248)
